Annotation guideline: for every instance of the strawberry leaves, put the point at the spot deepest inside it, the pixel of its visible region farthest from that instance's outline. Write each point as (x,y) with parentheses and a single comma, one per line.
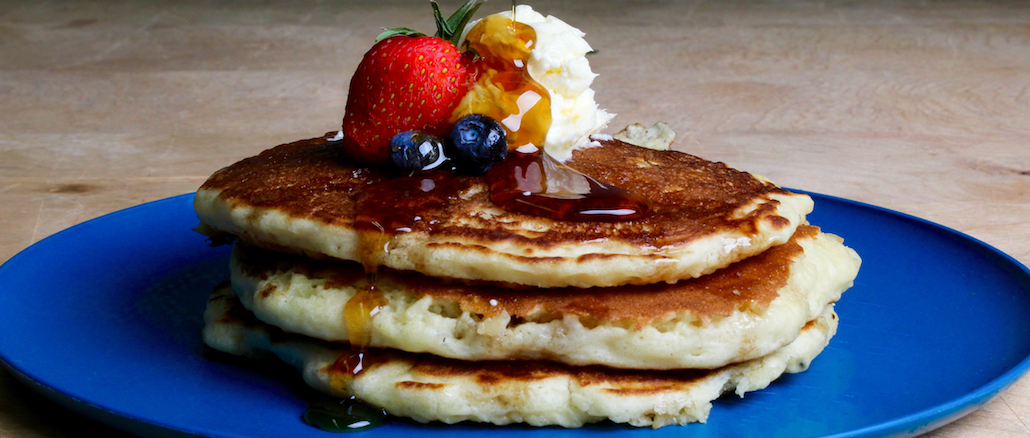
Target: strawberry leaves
(448,29)
(451,28)
(398,31)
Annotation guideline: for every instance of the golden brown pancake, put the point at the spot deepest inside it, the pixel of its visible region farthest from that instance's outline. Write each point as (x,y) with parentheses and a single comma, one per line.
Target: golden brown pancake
(309,198)
(740,312)
(428,388)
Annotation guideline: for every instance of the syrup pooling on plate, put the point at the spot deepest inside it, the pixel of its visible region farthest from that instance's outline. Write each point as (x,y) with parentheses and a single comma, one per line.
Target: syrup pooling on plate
(347,414)
(529,181)
(344,415)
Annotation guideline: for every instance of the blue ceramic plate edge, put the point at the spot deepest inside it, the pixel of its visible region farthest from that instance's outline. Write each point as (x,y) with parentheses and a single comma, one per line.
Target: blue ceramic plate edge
(910,425)
(924,421)
(118,420)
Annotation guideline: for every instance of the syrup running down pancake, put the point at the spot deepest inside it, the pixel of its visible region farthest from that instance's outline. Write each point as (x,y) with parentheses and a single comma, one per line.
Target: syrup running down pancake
(741,312)
(523,270)
(309,198)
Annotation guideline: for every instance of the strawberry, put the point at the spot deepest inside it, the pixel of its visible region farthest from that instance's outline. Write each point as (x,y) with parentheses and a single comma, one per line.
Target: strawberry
(407,81)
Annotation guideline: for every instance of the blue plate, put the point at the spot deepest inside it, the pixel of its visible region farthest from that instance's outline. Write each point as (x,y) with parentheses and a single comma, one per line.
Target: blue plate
(105,318)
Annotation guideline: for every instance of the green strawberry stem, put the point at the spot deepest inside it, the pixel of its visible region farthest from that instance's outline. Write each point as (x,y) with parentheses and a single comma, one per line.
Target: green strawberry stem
(397,31)
(449,29)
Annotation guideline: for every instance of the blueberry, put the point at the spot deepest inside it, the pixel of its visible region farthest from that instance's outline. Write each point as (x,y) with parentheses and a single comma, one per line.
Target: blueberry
(476,143)
(416,150)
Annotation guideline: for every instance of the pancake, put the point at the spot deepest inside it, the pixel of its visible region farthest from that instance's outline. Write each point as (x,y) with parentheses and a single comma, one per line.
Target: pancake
(427,388)
(308,198)
(741,312)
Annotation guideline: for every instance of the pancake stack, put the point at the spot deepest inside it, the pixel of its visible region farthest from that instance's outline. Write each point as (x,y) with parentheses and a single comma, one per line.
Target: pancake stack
(416,294)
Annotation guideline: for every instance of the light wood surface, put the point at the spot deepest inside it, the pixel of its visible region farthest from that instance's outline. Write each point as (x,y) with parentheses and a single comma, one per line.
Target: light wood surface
(921,107)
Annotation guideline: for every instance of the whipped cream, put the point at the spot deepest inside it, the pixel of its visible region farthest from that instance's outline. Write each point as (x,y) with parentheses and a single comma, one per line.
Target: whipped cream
(558,62)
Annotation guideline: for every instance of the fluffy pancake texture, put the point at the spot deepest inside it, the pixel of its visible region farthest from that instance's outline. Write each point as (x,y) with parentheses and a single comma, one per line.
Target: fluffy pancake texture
(540,393)
(741,312)
(308,198)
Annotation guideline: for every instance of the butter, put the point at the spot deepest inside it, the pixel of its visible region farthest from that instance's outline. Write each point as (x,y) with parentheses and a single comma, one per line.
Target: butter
(658,136)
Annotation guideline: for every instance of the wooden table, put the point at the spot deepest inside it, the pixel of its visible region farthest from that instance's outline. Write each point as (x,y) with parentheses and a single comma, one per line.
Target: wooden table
(922,107)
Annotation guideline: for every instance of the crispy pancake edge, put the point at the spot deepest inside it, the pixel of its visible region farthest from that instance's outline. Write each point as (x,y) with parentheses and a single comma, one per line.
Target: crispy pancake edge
(701,323)
(294,212)
(429,389)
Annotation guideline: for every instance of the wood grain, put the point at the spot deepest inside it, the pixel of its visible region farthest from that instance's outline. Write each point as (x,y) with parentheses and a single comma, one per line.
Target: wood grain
(921,107)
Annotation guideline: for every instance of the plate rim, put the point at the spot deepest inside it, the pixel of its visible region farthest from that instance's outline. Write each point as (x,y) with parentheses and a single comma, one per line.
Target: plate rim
(912,424)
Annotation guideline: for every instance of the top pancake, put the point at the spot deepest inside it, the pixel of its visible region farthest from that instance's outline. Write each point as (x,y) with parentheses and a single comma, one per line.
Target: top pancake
(308,197)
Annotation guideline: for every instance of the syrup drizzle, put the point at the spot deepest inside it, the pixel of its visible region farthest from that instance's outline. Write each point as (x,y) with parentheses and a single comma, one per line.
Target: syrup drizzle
(504,90)
(539,185)
(359,311)
(344,415)
(530,181)
(348,414)
(385,211)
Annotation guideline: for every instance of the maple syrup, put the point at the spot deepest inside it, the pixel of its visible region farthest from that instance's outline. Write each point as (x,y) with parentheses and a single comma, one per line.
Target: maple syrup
(528,180)
(359,311)
(348,414)
(539,185)
(349,365)
(386,210)
(344,415)
(504,90)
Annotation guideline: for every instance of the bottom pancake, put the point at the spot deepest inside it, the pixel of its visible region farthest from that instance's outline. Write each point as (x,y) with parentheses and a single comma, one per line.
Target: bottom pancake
(429,388)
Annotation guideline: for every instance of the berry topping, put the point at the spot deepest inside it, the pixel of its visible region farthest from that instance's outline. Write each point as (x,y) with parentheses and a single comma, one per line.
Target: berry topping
(476,143)
(406,81)
(414,151)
